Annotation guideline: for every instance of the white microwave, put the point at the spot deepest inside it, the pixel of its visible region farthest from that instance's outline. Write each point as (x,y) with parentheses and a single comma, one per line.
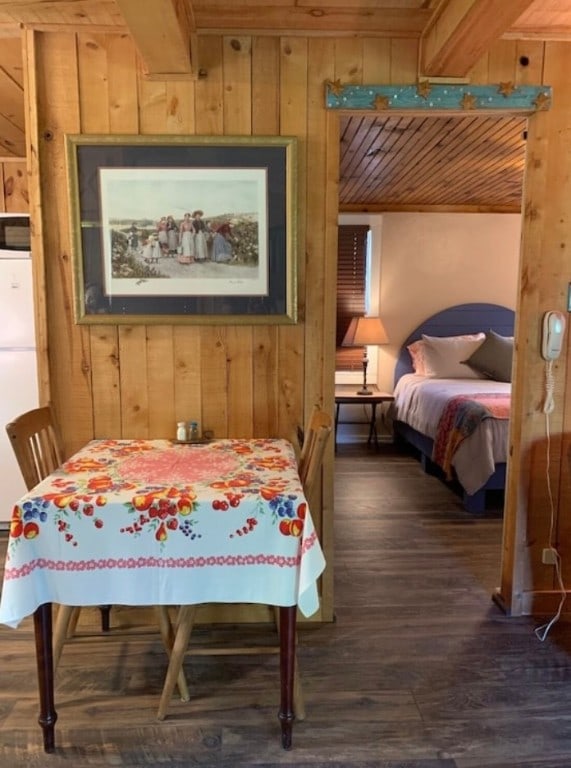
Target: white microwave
(14,234)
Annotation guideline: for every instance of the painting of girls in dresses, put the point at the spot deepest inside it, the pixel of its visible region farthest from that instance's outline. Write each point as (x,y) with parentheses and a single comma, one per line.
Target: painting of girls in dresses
(170,226)
(193,246)
(190,229)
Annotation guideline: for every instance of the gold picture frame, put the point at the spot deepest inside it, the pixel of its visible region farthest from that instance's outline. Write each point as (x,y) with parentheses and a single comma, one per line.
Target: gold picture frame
(183,229)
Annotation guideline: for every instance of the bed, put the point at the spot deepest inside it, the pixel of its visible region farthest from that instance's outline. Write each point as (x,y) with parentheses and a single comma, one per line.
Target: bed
(452,393)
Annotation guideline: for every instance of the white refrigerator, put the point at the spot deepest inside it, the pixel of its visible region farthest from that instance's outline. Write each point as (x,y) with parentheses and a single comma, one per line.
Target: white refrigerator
(18,366)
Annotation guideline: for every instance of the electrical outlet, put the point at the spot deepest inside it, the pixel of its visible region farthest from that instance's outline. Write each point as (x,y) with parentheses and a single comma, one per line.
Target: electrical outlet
(548,557)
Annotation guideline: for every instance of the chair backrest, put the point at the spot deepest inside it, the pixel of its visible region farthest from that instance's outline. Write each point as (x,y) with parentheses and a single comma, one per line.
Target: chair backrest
(36,444)
(313,448)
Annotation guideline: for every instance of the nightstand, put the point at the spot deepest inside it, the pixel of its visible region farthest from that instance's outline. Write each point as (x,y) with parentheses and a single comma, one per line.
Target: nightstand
(346,394)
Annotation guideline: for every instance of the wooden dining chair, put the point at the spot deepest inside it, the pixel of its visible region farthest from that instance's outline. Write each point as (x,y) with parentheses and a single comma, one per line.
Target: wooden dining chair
(309,462)
(35,439)
(36,443)
(313,447)
(314,443)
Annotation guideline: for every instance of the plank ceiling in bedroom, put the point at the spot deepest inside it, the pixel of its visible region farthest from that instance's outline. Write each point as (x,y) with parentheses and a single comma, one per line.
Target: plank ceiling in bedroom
(411,163)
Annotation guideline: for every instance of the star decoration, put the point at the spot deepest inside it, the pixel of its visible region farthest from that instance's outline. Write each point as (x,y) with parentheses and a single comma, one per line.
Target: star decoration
(506,89)
(381,102)
(335,87)
(468,101)
(423,89)
(542,101)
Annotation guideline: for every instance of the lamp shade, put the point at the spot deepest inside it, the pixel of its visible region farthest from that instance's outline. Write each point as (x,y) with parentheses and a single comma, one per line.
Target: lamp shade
(365,330)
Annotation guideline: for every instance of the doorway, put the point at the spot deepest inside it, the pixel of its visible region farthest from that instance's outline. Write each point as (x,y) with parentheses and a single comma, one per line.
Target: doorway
(511,133)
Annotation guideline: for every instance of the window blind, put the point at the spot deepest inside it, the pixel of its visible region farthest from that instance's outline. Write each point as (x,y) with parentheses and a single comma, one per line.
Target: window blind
(351,287)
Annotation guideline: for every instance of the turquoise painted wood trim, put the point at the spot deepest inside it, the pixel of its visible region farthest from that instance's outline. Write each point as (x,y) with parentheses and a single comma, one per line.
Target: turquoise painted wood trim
(428,97)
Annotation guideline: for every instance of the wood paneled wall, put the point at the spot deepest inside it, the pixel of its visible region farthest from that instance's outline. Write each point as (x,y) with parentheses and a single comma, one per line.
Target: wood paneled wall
(539,496)
(12,129)
(137,380)
(130,381)
(13,186)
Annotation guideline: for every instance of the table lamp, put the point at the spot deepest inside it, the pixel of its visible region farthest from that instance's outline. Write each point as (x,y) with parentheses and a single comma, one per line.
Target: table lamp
(361,332)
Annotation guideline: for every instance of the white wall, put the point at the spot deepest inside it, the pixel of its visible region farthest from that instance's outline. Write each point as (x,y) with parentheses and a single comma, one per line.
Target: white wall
(430,261)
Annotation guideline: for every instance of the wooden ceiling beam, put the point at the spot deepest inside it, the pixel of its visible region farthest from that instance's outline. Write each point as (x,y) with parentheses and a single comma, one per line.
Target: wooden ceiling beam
(164,33)
(340,19)
(461,31)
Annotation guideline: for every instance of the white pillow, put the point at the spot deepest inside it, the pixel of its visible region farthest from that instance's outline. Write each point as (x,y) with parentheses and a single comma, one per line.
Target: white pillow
(416,351)
(443,355)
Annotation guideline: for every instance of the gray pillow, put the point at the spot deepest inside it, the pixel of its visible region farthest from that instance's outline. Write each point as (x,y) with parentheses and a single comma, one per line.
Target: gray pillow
(493,358)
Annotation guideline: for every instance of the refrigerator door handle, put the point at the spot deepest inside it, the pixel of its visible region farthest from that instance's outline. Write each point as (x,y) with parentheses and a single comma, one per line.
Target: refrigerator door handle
(17,349)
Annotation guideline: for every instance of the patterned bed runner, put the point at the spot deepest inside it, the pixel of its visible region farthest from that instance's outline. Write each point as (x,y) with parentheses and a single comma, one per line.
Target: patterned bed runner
(461,416)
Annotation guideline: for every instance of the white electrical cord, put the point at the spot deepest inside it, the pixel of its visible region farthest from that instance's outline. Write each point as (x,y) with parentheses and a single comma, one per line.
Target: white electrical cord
(548,407)
(549,403)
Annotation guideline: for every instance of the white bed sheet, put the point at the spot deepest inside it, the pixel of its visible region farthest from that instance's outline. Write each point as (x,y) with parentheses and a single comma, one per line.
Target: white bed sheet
(420,401)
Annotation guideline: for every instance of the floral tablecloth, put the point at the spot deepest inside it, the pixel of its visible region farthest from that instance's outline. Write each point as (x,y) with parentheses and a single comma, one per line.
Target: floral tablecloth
(153,522)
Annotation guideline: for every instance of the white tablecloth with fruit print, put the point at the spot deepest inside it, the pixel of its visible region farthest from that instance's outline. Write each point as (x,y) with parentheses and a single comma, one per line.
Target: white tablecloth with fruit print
(153,522)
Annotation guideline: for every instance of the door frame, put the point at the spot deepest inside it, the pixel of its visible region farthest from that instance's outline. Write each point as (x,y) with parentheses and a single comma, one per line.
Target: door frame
(458,100)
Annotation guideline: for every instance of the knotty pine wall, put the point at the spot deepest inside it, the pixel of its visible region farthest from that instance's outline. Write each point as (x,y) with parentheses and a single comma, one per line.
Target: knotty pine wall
(137,381)
(13,186)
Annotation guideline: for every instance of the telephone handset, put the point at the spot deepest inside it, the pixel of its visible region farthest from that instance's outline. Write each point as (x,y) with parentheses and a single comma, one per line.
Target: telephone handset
(552,335)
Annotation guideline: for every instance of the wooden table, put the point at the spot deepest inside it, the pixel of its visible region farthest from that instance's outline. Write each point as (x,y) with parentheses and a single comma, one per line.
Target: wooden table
(152,522)
(346,394)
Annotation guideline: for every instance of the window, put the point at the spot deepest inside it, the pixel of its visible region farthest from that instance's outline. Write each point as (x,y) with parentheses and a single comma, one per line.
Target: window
(351,290)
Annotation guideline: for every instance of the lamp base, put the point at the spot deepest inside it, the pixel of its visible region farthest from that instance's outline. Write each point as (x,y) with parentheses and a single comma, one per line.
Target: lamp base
(364,391)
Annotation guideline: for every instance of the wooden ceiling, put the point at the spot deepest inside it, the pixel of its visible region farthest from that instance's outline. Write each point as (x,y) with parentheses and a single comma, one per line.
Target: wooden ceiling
(543,19)
(378,162)
(429,163)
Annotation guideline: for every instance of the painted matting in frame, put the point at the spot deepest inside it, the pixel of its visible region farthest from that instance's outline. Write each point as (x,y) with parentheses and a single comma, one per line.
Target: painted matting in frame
(193,229)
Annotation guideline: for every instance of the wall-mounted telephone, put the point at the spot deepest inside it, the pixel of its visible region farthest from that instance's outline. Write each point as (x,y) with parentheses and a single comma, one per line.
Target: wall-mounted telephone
(552,335)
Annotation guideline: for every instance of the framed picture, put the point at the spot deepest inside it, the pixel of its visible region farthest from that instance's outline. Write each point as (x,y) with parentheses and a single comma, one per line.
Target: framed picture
(193,229)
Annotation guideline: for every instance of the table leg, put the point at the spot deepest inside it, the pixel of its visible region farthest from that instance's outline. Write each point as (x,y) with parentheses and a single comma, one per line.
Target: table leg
(167,634)
(44,660)
(286,715)
(373,426)
(185,623)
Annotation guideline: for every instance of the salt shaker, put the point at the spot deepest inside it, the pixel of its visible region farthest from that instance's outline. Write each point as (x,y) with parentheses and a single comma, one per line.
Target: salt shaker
(193,431)
(181,430)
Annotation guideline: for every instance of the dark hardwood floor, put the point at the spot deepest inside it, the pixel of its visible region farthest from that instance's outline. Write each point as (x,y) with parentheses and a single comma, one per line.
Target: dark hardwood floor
(420,669)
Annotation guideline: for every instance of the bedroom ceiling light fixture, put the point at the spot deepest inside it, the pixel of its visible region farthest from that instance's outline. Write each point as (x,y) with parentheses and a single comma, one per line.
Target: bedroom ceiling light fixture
(364,331)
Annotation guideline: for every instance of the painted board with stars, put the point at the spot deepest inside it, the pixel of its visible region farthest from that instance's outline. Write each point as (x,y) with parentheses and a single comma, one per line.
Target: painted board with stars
(426,96)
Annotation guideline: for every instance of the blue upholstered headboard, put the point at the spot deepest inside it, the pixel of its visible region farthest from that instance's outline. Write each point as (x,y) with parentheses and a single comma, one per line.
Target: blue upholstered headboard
(454,321)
